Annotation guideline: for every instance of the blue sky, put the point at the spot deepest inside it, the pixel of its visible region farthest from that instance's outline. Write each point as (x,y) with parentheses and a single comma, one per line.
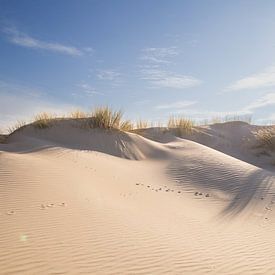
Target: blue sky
(152,58)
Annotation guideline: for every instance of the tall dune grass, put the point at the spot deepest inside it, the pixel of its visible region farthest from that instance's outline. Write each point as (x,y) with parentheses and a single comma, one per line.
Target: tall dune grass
(266,139)
(78,114)
(16,126)
(126,126)
(43,120)
(181,125)
(141,124)
(106,118)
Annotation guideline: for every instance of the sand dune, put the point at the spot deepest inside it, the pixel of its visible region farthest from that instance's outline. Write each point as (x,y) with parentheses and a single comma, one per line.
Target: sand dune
(77,201)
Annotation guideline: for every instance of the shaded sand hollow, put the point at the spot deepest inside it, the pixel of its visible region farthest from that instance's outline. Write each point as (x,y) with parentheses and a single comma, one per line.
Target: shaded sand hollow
(77,201)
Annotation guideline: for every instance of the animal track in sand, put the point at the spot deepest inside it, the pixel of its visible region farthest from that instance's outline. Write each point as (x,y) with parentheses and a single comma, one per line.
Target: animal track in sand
(11,212)
(157,189)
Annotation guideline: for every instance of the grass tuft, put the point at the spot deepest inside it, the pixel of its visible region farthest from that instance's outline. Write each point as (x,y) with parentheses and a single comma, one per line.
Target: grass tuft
(18,125)
(266,139)
(78,114)
(126,126)
(181,125)
(141,124)
(106,118)
(43,120)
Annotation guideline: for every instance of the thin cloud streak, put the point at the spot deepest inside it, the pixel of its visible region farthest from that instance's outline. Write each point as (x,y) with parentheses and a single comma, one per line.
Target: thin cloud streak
(177,105)
(158,55)
(154,69)
(110,75)
(255,81)
(163,79)
(266,100)
(24,40)
(86,90)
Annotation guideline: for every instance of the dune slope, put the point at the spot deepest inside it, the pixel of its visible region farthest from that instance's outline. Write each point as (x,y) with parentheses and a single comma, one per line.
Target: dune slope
(95,202)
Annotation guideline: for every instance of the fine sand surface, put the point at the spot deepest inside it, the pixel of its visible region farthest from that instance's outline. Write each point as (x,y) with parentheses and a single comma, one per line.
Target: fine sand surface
(77,201)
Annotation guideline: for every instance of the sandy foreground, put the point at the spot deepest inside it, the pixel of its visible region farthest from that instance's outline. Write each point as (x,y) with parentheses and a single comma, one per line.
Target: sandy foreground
(76,201)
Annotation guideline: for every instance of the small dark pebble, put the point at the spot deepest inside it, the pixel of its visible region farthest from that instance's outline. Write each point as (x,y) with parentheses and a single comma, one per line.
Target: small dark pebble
(179,192)
(148,186)
(137,183)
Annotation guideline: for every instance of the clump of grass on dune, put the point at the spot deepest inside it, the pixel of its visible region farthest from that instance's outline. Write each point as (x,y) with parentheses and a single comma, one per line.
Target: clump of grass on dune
(126,126)
(266,139)
(181,125)
(78,114)
(141,124)
(106,118)
(43,120)
(18,125)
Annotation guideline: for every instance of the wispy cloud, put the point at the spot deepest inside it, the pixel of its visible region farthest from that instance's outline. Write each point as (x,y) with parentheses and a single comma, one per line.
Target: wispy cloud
(177,105)
(110,75)
(266,100)
(154,69)
(84,90)
(163,79)
(255,81)
(24,40)
(158,55)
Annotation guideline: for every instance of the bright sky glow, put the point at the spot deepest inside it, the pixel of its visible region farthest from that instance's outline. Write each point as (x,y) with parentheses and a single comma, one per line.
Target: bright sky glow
(153,58)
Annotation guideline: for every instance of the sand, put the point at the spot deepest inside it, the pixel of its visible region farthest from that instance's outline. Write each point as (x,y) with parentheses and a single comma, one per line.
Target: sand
(77,201)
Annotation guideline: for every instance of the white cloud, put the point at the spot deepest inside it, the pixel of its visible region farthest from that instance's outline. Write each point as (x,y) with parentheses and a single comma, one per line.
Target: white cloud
(86,90)
(176,105)
(268,99)
(24,40)
(163,79)
(158,55)
(111,75)
(255,81)
(152,70)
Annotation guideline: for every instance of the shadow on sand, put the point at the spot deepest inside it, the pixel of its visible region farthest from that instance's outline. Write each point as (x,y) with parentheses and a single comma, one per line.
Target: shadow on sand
(243,188)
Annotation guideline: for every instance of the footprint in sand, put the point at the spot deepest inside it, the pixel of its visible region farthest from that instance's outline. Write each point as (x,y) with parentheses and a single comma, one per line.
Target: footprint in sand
(50,205)
(207,195)
(62,204)
(10,212)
